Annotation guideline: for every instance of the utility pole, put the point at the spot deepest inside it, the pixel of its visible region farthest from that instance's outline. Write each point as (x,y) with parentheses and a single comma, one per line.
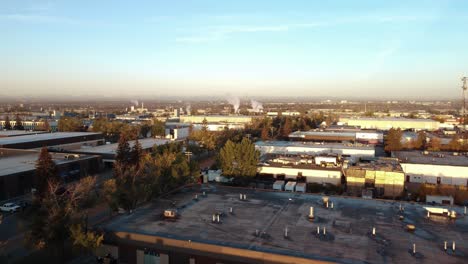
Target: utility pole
(188,154)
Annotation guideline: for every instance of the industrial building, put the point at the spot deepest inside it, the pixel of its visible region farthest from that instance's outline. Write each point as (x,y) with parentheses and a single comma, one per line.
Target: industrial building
(108,152)
(16,133)
(351,151)
(434,167)
(387,123)
(32,124)
(337,135)
(177,131)
(237,119)
(50,139)
(275,228)
(325,170)
(18,168)
(384,176)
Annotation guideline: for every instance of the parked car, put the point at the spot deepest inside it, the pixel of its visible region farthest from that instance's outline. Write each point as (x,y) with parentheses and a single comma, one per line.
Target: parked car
(10,207)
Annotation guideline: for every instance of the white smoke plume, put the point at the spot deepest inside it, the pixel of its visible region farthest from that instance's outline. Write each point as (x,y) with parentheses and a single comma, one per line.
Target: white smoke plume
(235,102)
(135,102)
(256,106)
(188,109)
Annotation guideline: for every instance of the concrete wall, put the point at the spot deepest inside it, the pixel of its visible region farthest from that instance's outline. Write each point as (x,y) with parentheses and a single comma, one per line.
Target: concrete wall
(428,173)
(311,175)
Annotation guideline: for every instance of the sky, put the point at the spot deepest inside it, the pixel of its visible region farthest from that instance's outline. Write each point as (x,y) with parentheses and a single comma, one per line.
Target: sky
(150,49)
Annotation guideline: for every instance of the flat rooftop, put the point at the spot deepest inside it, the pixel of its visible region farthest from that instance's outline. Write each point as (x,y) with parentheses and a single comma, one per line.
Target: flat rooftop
(433,158)
(348,226)
(146,143)
(44,137)
(312,145)
(17,161)
(14,133)
(394,119)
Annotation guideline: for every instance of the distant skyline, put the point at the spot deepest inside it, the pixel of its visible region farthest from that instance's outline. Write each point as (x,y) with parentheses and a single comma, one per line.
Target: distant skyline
(150,49)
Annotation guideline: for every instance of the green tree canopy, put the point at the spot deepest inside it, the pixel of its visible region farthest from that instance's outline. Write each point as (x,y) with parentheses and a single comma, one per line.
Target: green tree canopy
(18,123)
(239,159)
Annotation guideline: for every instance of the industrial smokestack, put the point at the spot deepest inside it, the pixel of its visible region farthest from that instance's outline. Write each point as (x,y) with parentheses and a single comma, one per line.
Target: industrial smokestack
(311,212)
(445,245)
(373,231)
(453,246)
(414,249)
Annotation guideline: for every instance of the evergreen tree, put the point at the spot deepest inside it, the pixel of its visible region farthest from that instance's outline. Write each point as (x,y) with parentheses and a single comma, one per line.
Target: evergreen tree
(7,123)
(204,125)
(239,160)
(46,171)
(19,123)
(136,153)
(286,128)
(123,151)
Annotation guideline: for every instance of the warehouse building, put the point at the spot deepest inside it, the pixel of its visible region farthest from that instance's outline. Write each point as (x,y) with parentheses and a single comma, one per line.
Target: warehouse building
(337,135)
(18,167)
(384,176)
(387,123)
(353,152)
(108,152)
(274,228)
(323,170)
(177,131)
(16,133)
(449,168)
(50,139)
(199,119)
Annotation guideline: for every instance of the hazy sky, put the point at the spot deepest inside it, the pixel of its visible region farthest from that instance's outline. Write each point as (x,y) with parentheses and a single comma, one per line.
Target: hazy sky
(403,49)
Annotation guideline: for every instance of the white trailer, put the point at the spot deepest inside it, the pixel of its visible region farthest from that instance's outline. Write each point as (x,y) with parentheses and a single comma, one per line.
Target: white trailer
(301,187)
(278,185)
(290,186)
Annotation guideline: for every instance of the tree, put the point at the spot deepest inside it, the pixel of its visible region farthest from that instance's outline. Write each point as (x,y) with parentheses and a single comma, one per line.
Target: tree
(123,151)
(420,142)
(204,125)
(239,160)
(455,144)
(18,123)
(136,153)
(85,239)
(158,128)
(7,123)
(69,124)
(393,140)
(264,134)
(286,128)
(46,172)
(434,144)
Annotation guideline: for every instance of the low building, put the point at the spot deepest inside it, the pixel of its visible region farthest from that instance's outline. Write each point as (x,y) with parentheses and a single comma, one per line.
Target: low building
(385,176)
(255,231)
(49,139)
(17,169)
(301,168)
(16,133)
(177,131)
(108,152)
(388,123)
(439,199)
(352,151)
(449,168)
(199,119)
(339,135)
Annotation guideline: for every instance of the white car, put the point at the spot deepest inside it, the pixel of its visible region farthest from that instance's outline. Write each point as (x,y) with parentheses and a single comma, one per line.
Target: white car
(10,207)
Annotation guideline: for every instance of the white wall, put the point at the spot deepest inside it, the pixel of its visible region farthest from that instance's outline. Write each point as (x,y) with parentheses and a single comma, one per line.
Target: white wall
(315,150)
(312,176)
(422,173)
